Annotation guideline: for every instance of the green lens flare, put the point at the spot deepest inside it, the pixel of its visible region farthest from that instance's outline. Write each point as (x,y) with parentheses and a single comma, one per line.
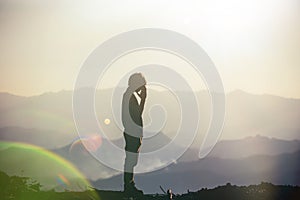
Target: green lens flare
(52,172)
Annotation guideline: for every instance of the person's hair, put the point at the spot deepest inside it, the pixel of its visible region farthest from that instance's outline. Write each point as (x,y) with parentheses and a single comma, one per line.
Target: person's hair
(136,80)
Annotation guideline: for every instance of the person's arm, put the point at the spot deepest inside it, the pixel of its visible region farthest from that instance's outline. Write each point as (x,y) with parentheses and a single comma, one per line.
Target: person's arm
(143,96)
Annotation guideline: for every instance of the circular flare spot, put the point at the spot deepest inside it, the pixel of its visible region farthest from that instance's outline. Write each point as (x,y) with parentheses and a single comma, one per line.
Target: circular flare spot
(107,121)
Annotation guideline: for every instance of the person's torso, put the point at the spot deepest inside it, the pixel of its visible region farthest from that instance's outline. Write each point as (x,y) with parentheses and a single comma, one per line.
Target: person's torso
(132,115)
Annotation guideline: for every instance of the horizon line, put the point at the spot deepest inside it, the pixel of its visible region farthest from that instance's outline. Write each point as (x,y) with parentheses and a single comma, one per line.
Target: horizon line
(202,90)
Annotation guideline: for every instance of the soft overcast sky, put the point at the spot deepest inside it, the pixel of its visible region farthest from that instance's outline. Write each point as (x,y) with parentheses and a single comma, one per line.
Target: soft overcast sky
(255,44)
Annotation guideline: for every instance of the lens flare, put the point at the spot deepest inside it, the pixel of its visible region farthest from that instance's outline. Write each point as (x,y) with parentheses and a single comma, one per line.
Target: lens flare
(90,143)
(61,179)
(50,170)
(107,121)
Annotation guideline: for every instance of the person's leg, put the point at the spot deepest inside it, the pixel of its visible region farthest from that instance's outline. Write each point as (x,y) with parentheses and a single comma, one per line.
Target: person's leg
(129,159)
(128,167)
(128,170)
(132,146)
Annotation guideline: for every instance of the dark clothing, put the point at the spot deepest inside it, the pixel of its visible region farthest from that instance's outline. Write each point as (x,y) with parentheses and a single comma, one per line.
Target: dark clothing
(132,115)
(132,144)
(133,133)
(132,149)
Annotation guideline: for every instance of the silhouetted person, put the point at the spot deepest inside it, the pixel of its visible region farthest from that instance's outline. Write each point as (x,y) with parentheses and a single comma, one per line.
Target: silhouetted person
(132,108)
(170,194)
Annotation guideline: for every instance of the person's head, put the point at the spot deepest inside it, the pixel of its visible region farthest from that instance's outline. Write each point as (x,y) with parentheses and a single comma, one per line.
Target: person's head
(136,81)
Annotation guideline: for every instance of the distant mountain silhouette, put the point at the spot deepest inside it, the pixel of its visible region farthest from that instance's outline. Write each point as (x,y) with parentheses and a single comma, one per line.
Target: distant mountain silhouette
(39,137)
(91,167)
(267,115)
(209,172)
(37,115)
(46,120)
(246,114)
(258,145)
(7,100)
(254,146)
(249,146)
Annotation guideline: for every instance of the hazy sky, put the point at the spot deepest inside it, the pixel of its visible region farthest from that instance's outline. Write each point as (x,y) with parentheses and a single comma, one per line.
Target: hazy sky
(255,44)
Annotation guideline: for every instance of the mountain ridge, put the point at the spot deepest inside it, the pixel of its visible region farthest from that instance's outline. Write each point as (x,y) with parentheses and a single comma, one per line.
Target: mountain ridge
(236,91)
(210,172)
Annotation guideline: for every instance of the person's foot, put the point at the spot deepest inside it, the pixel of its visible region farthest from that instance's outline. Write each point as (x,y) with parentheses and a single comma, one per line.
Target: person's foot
(130,189)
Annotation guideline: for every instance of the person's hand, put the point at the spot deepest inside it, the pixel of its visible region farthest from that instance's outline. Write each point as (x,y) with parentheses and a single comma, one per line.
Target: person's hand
(143,92)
